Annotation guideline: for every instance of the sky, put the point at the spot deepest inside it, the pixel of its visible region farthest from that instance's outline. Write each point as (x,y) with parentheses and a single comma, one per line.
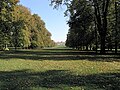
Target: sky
(54,19)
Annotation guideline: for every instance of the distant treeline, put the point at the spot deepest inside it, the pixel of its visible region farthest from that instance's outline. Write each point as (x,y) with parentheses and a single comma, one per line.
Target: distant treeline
(20,28)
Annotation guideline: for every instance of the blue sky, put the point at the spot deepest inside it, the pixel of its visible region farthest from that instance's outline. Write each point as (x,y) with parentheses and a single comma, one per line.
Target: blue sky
(54,19)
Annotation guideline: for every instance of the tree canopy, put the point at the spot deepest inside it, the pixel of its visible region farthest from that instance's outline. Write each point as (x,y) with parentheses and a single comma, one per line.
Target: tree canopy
(20,28)
(92,23)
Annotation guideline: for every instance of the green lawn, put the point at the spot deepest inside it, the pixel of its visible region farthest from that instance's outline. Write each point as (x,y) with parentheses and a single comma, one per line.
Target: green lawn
(58,69)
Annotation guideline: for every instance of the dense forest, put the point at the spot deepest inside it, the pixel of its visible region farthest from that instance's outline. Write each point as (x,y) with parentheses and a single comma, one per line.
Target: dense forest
(20,28)
(94,24)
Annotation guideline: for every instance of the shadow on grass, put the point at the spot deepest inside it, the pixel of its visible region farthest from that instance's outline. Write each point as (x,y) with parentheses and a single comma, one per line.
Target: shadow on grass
(57,79)
(58,54)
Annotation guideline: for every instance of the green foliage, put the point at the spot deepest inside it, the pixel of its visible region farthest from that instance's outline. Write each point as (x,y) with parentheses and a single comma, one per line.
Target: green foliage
(6,8)
(19,28)
(81,23)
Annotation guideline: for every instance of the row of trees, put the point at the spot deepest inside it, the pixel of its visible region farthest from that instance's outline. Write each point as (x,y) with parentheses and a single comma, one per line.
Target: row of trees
(19,28)
(93,23)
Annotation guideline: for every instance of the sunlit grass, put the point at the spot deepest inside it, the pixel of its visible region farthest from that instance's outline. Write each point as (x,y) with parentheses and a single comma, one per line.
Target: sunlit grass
(39,70)
(80,67)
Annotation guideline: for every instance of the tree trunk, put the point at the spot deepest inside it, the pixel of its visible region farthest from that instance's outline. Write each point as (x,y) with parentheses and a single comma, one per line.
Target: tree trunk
(87,47)
(116,43)
(116,47)
(90,47)
(101,18)
(102,50)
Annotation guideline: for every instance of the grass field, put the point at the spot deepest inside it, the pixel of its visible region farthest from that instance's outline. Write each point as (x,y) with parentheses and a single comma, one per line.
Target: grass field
(58,69)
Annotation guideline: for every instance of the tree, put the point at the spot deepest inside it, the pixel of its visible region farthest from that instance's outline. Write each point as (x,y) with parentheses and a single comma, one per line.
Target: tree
(81,24)
(6,7)
(117,7)
(41,35)
(101,11)
(20,29)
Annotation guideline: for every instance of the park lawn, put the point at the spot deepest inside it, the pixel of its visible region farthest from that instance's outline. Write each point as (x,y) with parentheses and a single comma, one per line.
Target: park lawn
(58,69)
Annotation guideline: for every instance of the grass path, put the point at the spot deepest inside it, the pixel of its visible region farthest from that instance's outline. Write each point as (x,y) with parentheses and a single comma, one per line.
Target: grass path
(58,69)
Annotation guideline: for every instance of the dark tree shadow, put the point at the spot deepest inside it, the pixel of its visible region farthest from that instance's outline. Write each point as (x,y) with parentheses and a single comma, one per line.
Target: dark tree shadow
(57,54)
(54,79)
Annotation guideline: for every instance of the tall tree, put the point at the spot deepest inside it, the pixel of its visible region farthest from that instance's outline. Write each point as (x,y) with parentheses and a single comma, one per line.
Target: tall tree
(6,7)
(81,18)
(21,33)
(19,28)
(101,11)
